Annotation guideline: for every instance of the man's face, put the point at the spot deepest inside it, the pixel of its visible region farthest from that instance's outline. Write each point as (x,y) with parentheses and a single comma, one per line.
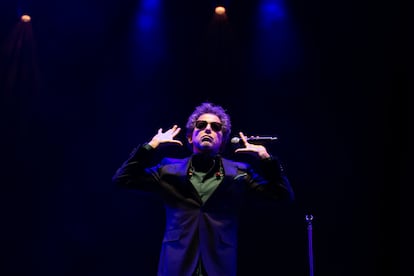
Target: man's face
(207,136)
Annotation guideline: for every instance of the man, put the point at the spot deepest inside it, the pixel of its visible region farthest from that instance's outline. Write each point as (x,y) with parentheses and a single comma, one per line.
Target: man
(203,193)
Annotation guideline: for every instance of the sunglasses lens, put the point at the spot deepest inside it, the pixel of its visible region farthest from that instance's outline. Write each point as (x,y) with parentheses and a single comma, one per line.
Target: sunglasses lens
(214,125)
(201,124)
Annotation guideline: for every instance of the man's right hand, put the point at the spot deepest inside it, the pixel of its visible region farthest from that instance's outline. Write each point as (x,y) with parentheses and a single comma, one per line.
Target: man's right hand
(166,137)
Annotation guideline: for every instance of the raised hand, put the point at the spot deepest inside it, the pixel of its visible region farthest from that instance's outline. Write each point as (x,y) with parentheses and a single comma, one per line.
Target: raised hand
(256,150)
(166,137)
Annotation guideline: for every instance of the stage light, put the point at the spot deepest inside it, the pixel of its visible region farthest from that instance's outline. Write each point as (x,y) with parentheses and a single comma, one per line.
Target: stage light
(26,18)
(220,10)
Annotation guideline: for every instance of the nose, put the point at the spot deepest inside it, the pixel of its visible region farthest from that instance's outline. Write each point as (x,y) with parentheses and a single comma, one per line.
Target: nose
(208,128)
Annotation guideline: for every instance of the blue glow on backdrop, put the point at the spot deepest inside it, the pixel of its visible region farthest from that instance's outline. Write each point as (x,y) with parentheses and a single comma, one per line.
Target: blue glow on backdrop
(275,48)
(149,15)
(271,11)
(148,47)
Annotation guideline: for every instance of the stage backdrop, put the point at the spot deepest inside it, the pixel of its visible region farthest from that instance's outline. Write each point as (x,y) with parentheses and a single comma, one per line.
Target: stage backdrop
(84,82)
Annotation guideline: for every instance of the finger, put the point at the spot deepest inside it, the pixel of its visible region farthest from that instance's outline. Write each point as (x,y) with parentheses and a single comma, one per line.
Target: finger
(243,137)
(176,131)
(242,150)
(172,129)
(178,142)
(160,131)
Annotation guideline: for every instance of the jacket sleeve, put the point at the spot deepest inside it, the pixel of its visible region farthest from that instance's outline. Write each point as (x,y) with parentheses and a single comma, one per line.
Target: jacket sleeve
(269,179)
(134,172)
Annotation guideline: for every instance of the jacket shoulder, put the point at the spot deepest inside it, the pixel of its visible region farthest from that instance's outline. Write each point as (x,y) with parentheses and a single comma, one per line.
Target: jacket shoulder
(173,161)
(235,164)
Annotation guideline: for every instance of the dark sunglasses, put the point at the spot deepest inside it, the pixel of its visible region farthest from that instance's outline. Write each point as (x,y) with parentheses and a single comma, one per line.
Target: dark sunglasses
(203,124)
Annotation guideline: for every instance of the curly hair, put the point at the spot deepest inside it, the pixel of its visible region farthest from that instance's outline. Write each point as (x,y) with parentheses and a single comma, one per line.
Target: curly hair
(208,107)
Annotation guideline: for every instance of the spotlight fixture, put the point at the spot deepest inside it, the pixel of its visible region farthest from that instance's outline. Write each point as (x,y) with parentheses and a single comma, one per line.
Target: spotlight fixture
(220,10)
(25,18)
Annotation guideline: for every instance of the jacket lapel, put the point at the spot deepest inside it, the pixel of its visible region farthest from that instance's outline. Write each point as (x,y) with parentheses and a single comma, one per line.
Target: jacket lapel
(183,172)
(229,168)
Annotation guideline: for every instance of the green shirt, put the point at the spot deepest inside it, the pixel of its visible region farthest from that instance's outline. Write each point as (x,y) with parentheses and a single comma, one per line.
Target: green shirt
(206,183)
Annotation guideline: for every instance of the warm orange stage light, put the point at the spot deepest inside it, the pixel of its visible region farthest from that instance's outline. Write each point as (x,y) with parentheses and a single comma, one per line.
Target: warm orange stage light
(26,18)
(220,10)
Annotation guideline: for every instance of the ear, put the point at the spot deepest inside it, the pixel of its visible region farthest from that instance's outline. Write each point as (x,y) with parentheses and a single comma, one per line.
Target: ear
(190,139)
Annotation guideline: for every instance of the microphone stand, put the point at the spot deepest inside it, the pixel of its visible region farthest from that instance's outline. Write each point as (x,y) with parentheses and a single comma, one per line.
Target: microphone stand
(309,219)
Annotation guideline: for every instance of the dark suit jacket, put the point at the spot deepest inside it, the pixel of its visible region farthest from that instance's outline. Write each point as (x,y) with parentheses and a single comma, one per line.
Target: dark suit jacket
(194,229)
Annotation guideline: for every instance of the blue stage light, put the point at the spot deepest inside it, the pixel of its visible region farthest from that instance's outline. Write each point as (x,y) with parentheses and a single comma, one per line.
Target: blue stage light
(271,11)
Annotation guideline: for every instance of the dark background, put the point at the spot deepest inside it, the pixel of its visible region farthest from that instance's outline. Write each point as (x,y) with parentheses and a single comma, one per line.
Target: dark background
(86,81)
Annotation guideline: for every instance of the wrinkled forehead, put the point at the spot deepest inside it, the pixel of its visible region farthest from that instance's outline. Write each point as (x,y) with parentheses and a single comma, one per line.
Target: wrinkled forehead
(209,117)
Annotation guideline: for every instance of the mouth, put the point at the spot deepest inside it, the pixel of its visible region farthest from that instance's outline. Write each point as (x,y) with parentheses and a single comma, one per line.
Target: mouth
(206,139)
